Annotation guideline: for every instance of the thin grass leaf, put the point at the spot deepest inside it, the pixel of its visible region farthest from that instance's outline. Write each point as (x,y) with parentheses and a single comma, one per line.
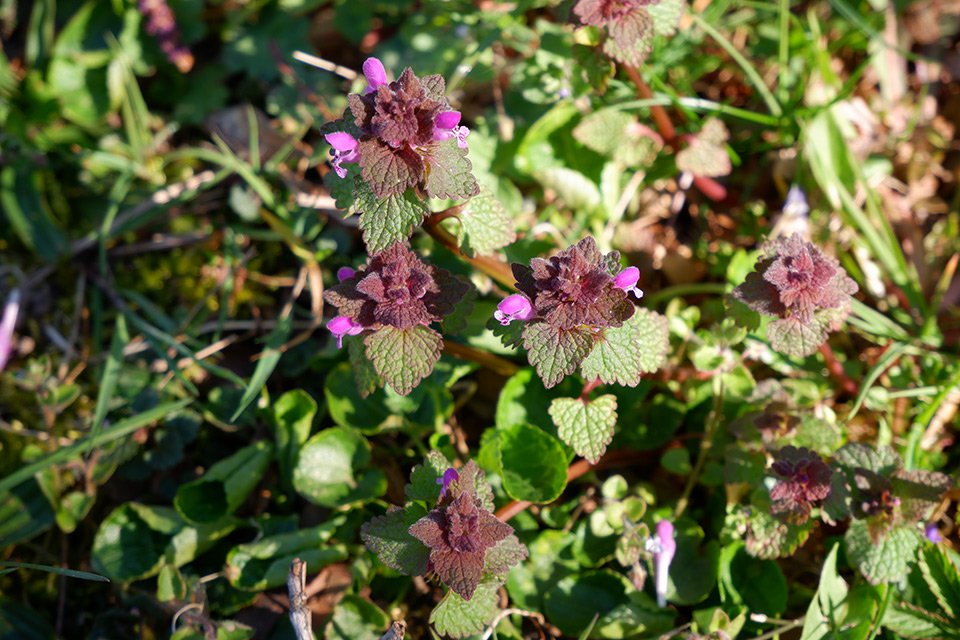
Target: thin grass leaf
(111,374)
(121,429)
(269,358)
(9,567)
(890,356)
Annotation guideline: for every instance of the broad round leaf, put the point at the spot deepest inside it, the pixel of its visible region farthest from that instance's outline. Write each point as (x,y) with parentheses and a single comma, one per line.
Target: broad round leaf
(331,470)
(534,464)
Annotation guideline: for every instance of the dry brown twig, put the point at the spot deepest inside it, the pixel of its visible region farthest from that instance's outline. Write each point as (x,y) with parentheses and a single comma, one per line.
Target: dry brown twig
(296,589)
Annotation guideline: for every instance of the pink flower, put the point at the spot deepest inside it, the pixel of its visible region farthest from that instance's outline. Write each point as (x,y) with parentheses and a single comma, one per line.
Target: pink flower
(627,280)
(345,273)
(375,74)
(7,325)
(446,126)
(664,547)
(515,307)
(344,150)
(343,326)
(932,533)
(449,476)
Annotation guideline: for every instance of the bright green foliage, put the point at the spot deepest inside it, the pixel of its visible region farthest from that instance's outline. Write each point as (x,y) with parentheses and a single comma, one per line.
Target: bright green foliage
(533,464)
(484,225)
(332,469)
(459,618)
(586,425)
(881,557)
(404,357)
(625,353)
(385,221)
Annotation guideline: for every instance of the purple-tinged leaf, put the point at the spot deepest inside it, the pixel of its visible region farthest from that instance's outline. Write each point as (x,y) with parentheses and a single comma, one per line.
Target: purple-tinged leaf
(555,352)
(448,171)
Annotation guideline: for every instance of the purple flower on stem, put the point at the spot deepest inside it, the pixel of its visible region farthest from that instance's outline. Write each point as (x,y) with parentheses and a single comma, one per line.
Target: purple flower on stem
(345,273)
(343,326)
(449,476)
(344,150)
(515,307)
(664,547)
(932,533)
(375,74)
(627,280)
(447,125)
(10,312)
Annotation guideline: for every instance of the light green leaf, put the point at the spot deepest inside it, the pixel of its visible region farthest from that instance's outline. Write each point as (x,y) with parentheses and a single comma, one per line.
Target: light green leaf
(587,426)
(886,559)
(459,618)
(265,564)
(423,478)
(484,225)
(627,352)
(943,578)
(355,618)
(575,189)
(404,357)
(389,538)
(828,608)
(385,221)
(293,416)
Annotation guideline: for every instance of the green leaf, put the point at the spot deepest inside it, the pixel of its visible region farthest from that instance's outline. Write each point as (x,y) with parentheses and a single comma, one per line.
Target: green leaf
(459,618)
(828,609)
(449,172)
(293,416)
(502,557)
(630,38)
(575,189)
(587,426)
(24,513)
(943,578)
(171,585)
(119,430)
(533,463)
(603,130)
(265,564)
(706,154)
(625,353)
(696,566)
(404,357)
(758,584)
(882,460)
(555,353)
(484,226)
(886,559)
(769,538)
(7,567)
(389,538)
(331,470)
(385,221)
(795,338)
(346,405)
(111,373)
(423,478)
(224,487)
(355,618)
(269,359)
(666,15)
(524,400)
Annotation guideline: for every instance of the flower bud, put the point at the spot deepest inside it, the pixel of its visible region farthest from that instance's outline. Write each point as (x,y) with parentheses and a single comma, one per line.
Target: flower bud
(515,307)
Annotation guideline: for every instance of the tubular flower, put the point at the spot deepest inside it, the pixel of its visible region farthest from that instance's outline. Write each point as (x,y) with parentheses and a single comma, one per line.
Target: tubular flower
(515,307)
(343,326)
(664,547)
(344,150)
(449,476)
(10,312)
(345,273)
(627,280)
(447,125)
(375,74)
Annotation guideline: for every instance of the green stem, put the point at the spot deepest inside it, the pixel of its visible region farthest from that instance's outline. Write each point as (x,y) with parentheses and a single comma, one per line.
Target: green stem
(878,621)
(680,290)
(710,430)
(784,53)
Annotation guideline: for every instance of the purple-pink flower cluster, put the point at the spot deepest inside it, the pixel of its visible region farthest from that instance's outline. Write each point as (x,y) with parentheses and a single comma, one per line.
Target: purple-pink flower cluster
(395,124)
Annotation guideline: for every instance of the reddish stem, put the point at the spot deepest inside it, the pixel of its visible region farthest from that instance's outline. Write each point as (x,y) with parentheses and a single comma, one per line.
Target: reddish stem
(658,113)
(847,385)
(495,363)
(493,267)
(589,387)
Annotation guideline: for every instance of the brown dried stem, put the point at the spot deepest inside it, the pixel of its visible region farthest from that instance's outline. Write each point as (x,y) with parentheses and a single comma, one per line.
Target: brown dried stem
(296,588)
(847,385)
(493,267)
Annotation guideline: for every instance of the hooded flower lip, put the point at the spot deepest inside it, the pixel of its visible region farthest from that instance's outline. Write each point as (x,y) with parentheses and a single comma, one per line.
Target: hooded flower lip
(375,74)
(664,547)
(514,307)
(447,125)
(627,280)
(449,476)
(932,533)
(7,325)
(341,326)
(345,273)
(345,149)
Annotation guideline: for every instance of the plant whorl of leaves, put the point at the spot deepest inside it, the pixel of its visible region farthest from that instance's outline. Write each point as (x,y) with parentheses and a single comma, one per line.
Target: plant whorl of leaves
(803,483)
(806,290)
(466,544)
(582,318)
(394,299)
